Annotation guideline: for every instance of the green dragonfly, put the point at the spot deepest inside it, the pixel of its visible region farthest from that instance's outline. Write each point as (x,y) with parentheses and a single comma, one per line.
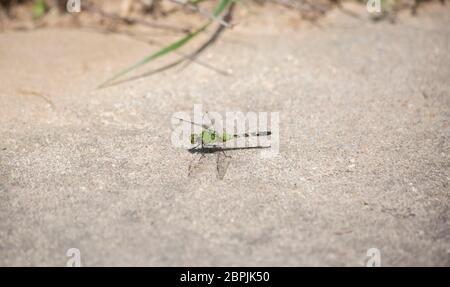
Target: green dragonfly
(210,141)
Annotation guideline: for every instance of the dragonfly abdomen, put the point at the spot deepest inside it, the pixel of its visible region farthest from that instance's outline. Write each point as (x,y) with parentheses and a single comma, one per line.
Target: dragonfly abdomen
(258,134)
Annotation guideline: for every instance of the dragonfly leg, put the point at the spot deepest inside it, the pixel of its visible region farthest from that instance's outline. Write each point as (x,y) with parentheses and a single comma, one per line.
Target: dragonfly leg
(225,155)
(197,146)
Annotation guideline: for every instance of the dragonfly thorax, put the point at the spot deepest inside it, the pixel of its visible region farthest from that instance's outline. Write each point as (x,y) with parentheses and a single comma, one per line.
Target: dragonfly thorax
(209,137)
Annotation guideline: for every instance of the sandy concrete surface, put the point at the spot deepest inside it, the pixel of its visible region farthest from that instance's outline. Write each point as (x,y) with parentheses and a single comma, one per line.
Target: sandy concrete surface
(364,157)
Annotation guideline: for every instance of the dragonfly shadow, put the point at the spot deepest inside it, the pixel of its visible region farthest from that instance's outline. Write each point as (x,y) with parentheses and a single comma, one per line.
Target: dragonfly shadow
(222,161)
(210,150)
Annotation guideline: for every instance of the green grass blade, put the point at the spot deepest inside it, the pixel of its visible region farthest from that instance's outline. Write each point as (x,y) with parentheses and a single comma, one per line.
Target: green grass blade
(172,47)
(39,8)
(222,5)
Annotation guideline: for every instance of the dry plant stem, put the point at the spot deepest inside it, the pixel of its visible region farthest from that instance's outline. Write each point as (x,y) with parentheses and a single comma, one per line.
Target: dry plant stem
(195,8)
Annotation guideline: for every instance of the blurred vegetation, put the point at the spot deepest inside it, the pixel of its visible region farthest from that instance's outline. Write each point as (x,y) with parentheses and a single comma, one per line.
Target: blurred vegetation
(217,12)
(40,7)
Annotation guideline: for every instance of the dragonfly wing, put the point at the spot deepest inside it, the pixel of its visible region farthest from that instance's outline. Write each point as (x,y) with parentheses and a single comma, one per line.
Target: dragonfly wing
(242,142)
(206,127)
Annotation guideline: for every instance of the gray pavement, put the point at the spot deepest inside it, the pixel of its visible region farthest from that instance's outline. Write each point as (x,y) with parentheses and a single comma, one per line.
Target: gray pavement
(364,156)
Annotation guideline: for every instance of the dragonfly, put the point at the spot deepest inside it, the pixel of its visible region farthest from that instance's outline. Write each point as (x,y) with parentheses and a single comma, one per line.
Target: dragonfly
(211,141)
